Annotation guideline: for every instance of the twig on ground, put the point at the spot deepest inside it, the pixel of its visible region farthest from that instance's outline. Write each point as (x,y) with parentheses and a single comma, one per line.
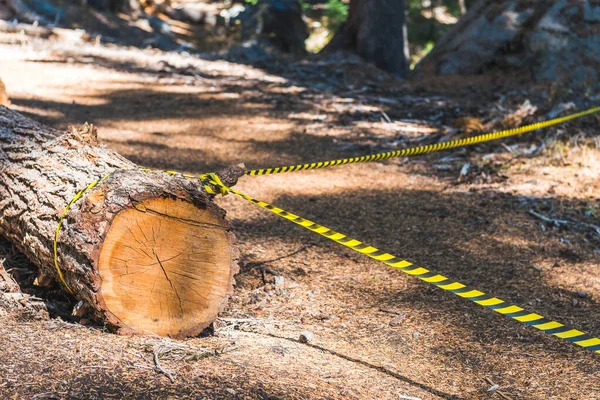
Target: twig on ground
(560,222)
(140,366)
(387,118)
(379,368)
(168,374)
(496,389)
(594,228)
(509,149)
(7,282)
(255,264)
(48,395)
(390,311)
(555,222)
(169,350)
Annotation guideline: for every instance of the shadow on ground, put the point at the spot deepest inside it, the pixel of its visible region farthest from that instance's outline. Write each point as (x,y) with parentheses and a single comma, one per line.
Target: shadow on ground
(486,241)
(209,114)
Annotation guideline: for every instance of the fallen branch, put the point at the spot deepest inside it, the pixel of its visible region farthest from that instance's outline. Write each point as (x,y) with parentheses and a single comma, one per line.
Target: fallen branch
(169,350)
(169,374)
(561,222)
(495,389)
(555,222)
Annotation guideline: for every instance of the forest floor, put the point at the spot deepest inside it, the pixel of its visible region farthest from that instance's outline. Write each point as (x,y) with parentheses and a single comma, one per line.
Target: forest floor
(378,333)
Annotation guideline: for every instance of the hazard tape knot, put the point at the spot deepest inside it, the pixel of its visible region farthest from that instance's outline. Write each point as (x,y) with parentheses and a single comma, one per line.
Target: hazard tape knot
(211,182)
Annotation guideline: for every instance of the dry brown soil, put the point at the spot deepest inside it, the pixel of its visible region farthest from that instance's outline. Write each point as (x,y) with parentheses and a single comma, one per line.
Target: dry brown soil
(182,112)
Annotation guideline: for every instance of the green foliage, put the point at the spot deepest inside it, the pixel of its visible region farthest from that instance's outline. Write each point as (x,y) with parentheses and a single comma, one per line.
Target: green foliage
(336,12)
(305,6)
(591,211)
(419,52)
(427,21)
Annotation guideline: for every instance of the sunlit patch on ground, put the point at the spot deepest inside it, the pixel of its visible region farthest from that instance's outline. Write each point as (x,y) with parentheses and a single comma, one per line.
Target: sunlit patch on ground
(380,334)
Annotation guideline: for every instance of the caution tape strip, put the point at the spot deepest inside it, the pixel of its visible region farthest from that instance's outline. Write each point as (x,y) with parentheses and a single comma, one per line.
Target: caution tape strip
(77,196)
(325,164)
(213,185)
(413,151)
(476,296)
(500,306)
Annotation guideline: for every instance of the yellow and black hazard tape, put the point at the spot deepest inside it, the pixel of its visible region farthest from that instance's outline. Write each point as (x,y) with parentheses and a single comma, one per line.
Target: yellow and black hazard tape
(413,151)
(61,220)
(213,185)
(500,306)
(325,164)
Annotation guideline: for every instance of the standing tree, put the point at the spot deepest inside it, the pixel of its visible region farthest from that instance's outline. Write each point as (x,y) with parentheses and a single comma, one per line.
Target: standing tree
(132,8)
(3,95)
(376,30)
(463,7)
(556,40)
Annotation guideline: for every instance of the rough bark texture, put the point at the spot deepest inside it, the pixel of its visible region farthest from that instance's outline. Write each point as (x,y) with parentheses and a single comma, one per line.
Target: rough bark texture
(41,170)
(555,40)
(284,25)
(463,7)
(376,30)
(278,23)
(131,7)
(7,10)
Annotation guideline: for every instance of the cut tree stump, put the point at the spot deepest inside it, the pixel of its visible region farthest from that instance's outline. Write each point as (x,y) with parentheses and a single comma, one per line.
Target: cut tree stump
(146,251)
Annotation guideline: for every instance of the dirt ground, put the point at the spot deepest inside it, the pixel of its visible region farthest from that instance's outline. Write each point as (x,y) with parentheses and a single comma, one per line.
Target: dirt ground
(378,334)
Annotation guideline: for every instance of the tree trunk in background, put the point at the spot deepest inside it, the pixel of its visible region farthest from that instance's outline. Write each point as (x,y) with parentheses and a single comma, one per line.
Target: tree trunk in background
(463,7)
(554,40)
(147,252)
(130,7)
(284,25)
(7,10)
(376,30)
(3,95)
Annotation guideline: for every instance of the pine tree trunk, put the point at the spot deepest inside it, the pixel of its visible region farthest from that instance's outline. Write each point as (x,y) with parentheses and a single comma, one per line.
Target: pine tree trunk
(3,95)
(554,40)
(148,252)
(132,8)
(376,30)
(463,7)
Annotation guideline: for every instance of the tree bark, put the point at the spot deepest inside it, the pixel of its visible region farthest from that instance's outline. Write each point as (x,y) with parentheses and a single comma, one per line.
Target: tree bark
(554,40)
(3,95)
(7,10)
(376,30)
(148,252)
(132,8)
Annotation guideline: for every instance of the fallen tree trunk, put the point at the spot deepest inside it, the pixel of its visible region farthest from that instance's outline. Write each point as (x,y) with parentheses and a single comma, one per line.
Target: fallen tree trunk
(148,252)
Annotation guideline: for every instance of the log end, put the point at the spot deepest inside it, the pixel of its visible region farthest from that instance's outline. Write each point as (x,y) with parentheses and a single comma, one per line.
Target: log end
(166,268)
